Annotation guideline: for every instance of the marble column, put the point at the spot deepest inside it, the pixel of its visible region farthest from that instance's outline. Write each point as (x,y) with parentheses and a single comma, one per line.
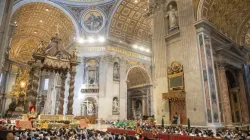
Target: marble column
(209,80)
(71,90)
(145,112)
(62,96)
(243,97)
(225,99)
(149,101)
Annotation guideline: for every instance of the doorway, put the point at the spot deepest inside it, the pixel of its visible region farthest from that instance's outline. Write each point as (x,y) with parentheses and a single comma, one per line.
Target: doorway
(138,93)
(234,97)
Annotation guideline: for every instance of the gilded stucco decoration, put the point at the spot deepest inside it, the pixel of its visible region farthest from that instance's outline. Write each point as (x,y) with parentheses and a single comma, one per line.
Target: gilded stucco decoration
(226,15)
(129,23)
(243,37)
(137,76)
(37,22)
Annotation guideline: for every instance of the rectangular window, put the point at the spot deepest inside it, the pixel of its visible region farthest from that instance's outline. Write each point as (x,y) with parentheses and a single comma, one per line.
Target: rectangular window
(46,84)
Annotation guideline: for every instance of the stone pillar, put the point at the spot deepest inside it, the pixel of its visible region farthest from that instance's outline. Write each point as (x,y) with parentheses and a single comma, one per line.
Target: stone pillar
(71,90)
(225,99)
(5,16)
(149,107)
(106,88)
(145,106)
(5,76)
(209,80)
(123,90)
(61,98)
(243,97)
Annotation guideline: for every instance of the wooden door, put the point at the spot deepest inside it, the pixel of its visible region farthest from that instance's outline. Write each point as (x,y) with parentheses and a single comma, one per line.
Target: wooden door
(180,108)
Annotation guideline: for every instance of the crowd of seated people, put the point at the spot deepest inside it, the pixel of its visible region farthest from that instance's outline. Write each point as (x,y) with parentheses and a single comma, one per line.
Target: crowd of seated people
(195,132)
(67,134)
(84,134)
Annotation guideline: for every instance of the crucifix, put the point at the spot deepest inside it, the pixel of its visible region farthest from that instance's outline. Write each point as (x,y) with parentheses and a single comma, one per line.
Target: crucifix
(90,107)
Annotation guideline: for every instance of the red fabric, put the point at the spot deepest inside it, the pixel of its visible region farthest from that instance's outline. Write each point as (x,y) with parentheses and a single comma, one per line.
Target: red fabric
(130,132)
(147,134)
(163,136)
(33,107)
(175,137)
(159,135)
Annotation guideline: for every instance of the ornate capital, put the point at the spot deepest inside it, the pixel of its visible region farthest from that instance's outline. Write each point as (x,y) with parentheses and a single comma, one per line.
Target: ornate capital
(108,58)
(221,64)
(123,62)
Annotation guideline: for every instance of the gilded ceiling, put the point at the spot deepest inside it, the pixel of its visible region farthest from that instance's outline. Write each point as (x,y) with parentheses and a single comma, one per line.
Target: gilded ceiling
(137,76)
(129,23)
(227,15)
(38,22)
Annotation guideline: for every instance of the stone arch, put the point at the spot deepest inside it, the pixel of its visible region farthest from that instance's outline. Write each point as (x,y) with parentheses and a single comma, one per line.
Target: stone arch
(137,75)
(68,13)
(227,16)
(37,21)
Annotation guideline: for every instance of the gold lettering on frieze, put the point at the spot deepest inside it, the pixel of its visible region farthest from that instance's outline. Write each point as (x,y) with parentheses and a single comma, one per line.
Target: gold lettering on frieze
(115,49)
(91,49)
(128,53)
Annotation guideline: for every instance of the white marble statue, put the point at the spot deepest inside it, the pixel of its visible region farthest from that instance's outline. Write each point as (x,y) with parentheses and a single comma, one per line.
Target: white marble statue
(115,105)
(172,15)
(90,108)
(116,71)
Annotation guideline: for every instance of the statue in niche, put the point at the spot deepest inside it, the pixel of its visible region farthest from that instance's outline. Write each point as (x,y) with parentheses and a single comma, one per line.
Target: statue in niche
(138,109)
(172,15)
(116,73)
(90,108)
(92,77)
(115,105)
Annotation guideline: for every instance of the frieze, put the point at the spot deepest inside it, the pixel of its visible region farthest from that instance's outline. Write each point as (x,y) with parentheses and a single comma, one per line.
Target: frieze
(89,90)
(128,53)
(114,49)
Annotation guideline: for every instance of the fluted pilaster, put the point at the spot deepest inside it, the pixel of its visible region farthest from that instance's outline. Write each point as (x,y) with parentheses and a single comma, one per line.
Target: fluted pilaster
(225,99)
(243,97)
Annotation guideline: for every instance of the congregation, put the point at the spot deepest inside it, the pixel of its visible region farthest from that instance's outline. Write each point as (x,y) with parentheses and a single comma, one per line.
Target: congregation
(91,134)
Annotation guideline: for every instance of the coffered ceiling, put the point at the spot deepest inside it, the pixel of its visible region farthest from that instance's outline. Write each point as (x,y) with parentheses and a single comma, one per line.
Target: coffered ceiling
(229,16)
(137,76)
(38,22)
(129,23)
